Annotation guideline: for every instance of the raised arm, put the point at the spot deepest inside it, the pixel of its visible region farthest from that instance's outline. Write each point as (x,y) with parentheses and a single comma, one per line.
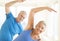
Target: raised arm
(7,5)
(35,10)
(31,16)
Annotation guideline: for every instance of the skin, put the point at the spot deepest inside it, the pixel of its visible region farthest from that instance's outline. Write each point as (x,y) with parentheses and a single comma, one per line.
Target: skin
(21,15)
(39,28)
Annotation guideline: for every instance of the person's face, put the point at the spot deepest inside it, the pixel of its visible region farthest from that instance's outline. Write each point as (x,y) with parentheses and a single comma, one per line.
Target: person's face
(40,28)
(21,15)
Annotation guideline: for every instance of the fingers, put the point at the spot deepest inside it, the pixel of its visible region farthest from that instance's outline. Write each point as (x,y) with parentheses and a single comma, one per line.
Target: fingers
(50,9)
(54,10)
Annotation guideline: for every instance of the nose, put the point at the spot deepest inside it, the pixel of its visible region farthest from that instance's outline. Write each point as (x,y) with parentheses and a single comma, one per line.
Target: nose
(41,30)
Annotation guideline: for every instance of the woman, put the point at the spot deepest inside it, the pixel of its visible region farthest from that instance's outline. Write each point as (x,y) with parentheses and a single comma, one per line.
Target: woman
(32,34)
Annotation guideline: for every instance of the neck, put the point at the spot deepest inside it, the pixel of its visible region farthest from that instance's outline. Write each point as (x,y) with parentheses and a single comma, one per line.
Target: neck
(34,32)
(17,19)
(34,35)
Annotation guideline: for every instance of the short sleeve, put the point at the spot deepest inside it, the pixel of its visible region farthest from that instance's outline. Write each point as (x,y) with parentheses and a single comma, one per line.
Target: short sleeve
(9,15)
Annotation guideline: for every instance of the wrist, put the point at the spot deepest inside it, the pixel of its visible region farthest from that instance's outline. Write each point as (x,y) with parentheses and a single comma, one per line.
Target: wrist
(19,0)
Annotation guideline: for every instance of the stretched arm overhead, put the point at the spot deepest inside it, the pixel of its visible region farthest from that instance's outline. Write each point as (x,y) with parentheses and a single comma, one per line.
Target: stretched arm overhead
(32,13)
(7,5)
(35,10)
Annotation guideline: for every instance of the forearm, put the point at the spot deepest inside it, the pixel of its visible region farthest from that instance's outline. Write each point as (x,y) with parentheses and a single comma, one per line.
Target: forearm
(30,22)
(10,4)
(7,5)
(35,10)
(13,2)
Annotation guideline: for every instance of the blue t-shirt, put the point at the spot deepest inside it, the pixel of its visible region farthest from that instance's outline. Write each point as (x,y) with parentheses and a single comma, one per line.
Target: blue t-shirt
(10,28)
(25,36)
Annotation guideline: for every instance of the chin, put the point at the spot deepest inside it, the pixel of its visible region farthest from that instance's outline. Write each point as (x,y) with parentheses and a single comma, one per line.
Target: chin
(20,20)
(38,33)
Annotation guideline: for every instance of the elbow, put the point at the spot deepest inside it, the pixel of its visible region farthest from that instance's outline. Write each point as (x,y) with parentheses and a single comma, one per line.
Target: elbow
(33,11)
(6,5)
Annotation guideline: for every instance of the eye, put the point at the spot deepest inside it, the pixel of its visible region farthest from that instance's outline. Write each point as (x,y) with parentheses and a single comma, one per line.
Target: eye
(42,28)
(22,16)
(39,26)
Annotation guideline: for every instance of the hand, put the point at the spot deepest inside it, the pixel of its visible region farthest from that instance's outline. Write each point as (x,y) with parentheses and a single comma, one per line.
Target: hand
(19,0)
(50,9)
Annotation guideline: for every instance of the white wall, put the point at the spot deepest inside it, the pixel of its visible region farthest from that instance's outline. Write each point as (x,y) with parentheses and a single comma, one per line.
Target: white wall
(2,2)
(59,21)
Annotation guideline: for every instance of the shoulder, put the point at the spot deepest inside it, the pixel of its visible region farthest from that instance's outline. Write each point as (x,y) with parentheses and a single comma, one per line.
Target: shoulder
(9,15)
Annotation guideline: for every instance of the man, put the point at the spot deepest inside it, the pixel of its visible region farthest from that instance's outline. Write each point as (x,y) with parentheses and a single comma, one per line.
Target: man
(31,33)
(11,25)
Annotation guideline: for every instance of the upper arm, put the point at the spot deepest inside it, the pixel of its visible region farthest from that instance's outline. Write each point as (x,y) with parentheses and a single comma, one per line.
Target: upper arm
(30,21)
(9,15)
(7,9)
(35,10)
(7,5)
